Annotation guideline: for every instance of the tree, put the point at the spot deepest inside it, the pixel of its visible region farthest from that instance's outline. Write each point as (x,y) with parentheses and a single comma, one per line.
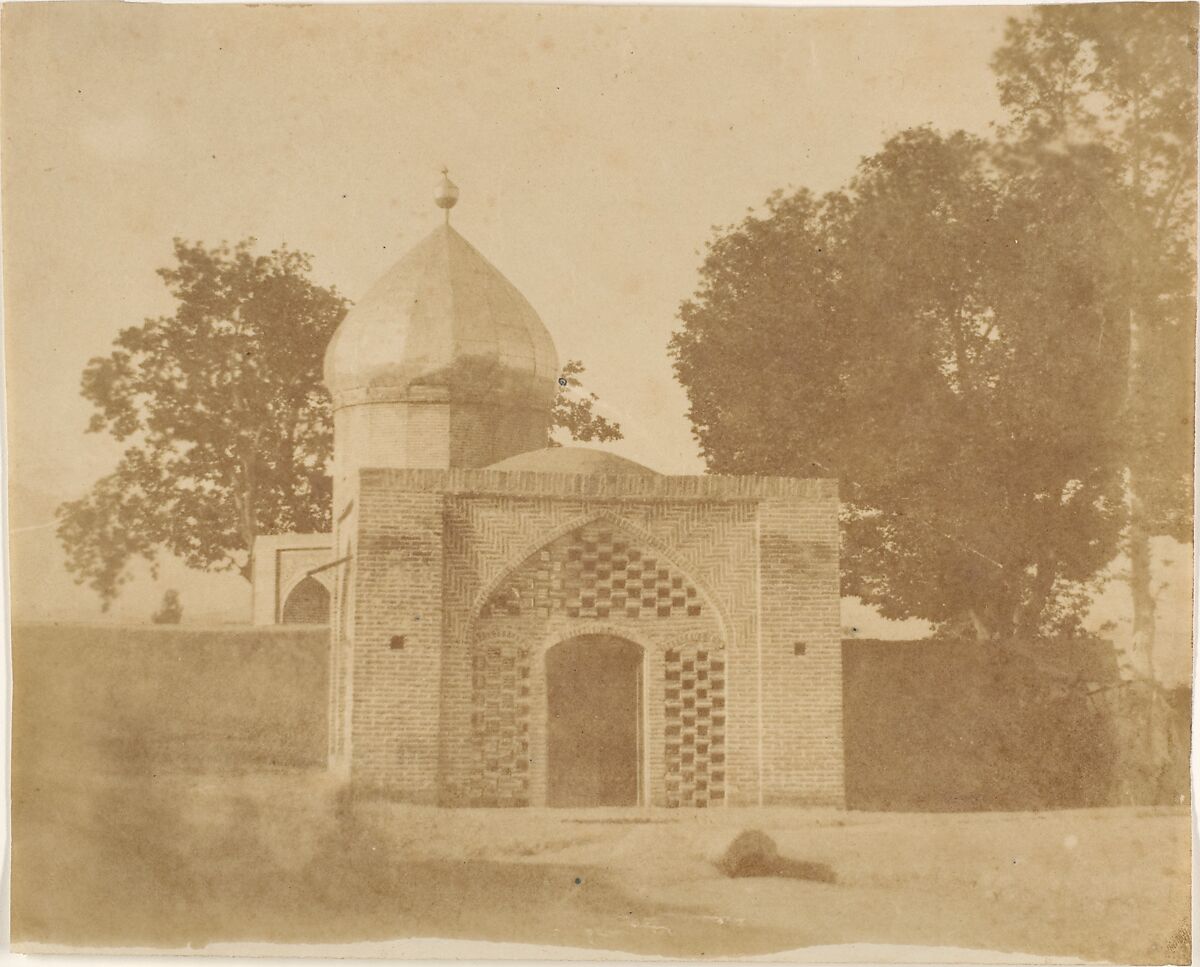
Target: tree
(923,336)
(228,430)
(574,410)
(1114,85)
(227,427)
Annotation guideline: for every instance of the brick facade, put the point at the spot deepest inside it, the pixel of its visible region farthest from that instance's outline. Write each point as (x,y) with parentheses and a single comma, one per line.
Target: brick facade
(701,612)
(464,579)
(426,428)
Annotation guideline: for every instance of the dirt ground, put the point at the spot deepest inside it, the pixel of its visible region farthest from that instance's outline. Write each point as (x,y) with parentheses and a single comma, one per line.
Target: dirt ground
(161,798)
(175,861)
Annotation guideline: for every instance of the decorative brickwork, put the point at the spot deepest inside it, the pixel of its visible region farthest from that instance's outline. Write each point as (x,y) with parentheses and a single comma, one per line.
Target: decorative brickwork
(500,712)
(458,583)
(590,573)
(464,580)
(694,704)
(712,541)
(585,542)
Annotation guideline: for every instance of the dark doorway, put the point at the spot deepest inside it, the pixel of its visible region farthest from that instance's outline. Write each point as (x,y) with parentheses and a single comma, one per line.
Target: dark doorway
(308,604)
(593,686)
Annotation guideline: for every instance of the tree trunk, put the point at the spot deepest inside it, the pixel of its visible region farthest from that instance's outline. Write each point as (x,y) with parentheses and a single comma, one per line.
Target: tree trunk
(1140,586)
(1156,751)
(247,523)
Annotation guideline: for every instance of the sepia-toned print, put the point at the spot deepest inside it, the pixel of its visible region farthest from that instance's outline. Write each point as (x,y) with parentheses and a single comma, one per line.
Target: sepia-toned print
(603,482)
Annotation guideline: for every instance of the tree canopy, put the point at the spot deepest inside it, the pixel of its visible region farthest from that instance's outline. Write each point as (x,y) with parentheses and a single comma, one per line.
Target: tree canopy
(575,410)
(228,430)
(950,334)
(226,425)
(889,334)
(1114,86)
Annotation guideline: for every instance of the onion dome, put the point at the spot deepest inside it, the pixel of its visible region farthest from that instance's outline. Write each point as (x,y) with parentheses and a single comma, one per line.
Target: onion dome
(443,318)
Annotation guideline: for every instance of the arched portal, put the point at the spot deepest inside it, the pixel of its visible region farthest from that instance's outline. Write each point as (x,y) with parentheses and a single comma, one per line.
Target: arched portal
(308,604)
(594,715)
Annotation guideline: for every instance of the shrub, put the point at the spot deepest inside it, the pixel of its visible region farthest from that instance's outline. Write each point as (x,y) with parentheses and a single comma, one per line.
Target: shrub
(754,853)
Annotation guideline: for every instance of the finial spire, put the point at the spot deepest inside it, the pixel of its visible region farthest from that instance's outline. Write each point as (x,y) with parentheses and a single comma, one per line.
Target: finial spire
(445,196)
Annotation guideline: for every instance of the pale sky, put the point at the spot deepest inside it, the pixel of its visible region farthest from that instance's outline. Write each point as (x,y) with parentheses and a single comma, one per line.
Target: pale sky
(595,149)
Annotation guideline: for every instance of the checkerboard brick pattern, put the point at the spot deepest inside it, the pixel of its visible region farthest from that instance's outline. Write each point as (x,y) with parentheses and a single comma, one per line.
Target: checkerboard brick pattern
(593,572)
(694,702)
(500,724)
(478,573)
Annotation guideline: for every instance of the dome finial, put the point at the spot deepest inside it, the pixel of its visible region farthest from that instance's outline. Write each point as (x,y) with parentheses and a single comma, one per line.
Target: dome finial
(445,196)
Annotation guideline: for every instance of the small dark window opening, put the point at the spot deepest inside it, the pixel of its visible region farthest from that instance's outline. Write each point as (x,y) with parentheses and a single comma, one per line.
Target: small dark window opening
(397,643)
(799,647)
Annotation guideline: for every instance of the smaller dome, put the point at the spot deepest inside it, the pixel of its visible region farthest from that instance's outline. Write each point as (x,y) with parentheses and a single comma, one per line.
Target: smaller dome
(573,460)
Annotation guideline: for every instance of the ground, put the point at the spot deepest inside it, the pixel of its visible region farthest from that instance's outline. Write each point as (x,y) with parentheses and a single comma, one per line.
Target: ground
(177,861)
(147,817)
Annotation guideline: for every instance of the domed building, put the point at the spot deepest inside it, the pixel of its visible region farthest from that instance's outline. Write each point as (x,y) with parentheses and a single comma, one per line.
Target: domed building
(520,624)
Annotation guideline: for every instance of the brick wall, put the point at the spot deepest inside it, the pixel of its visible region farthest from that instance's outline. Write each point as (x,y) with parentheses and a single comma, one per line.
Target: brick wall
(397,640)
(387,434)
(442,544)
(485,433)
(801,692)
(491,534)
(527,640)
(430,432)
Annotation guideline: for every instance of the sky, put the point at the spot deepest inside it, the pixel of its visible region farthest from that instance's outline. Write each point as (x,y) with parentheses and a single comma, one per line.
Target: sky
(595,149)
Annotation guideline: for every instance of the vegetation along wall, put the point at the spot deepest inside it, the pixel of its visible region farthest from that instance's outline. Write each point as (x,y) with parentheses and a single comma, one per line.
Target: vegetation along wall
(962,725)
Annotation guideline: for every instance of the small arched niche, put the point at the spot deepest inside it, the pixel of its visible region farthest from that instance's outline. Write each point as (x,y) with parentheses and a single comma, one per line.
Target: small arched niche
(308,604)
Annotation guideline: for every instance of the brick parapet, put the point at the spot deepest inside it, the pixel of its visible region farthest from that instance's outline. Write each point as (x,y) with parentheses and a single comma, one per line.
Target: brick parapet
(527,483)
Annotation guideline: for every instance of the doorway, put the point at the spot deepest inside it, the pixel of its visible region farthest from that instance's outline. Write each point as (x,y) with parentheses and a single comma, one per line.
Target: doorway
(593,734)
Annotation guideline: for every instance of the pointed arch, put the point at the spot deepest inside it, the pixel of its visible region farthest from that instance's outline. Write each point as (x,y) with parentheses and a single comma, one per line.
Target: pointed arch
(630,529)
(307,603)
(290,581)
(582,627)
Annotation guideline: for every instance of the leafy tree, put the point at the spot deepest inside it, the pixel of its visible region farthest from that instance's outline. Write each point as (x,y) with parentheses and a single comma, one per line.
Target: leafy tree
(1113,86)
(227,427)
(574,410)
(919,335)
(228,430)
(990,345)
